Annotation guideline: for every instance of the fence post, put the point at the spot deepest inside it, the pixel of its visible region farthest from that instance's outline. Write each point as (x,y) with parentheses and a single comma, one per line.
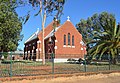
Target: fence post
(10,64)
(52,63)
(109,61)
(97,66)
(85,63)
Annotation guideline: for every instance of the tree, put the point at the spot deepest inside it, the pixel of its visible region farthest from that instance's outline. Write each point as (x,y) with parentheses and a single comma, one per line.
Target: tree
(10,26)
(105,34)
(46,8)
(85,29)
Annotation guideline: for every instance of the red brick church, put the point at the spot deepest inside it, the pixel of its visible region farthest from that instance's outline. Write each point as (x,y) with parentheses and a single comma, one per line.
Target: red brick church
(66,43)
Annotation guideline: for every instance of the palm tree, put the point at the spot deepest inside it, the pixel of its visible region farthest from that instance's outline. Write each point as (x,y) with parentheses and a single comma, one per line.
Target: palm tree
(106,41)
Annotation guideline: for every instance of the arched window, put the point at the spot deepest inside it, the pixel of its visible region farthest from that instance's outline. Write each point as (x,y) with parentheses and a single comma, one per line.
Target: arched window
(64,39)
(68,38)
(73,40)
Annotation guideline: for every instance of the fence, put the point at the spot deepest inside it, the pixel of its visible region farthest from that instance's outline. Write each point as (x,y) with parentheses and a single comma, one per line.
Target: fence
(14,65)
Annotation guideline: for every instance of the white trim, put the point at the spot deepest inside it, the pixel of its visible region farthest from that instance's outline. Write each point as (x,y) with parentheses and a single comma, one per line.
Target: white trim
(56,41)
(82,43)
(83,59)
(30,38)
(55,47)
(73,46)
(2,57)
(38,59)
(36,49)
(64,46)
(32,50)
(33,47)
(25,52)
(9,52)
(40,49)
(85,48)
(52,32)
(36,33)
(38,41)
(58,60)
(68,46)
(81,48)
(28,51)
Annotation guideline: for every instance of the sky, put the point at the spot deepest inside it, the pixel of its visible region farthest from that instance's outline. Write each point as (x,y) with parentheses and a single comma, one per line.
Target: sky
(76,9)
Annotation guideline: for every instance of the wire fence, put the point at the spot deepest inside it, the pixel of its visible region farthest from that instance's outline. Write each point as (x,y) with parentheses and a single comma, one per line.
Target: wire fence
(12,64)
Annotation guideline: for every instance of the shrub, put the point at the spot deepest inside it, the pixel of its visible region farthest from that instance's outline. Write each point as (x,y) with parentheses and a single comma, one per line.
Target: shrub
(71,60)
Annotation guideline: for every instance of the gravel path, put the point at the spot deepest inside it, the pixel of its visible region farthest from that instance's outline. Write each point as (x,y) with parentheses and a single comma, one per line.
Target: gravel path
(100,78)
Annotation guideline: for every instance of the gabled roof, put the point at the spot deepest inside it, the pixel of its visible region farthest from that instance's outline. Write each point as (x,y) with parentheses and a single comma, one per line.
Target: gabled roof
(49,31)
(52,32)
(37,33)
(33,36)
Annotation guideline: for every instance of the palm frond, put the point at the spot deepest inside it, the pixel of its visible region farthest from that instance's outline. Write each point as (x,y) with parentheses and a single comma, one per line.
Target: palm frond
(112,52)
(103,51)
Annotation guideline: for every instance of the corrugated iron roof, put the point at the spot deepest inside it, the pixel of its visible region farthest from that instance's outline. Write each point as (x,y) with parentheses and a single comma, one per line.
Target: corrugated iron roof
(32,37)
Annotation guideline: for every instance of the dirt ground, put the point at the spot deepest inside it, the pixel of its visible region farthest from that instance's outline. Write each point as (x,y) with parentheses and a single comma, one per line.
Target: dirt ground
(100,78)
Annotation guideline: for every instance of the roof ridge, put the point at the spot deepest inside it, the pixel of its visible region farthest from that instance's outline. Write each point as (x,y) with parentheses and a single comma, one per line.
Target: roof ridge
(45,27)
(34,34)
(50,34)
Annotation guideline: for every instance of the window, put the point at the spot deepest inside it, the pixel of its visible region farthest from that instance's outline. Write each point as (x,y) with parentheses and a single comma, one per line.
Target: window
(68,38)
(73,40)
(64,39)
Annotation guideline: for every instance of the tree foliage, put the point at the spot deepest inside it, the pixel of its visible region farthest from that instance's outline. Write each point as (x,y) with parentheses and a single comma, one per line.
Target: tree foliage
(47,7)
(101,34)
(10,26)
(50,6)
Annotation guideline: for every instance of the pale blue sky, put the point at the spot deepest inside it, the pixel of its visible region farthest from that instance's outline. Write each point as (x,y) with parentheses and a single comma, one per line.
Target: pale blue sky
(76,9)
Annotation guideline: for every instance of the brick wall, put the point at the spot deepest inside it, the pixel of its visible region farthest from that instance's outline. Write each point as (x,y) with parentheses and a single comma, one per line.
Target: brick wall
(63,50)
